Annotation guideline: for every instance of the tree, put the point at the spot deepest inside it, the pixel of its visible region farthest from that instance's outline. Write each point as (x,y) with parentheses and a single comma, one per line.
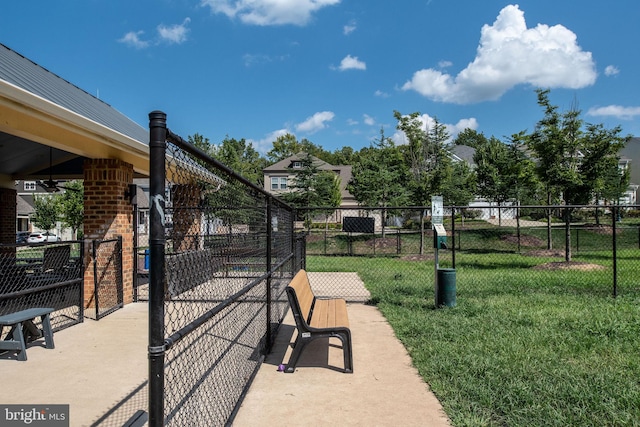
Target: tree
(201,142)
(571,163)
(327,185)
(71,205)
(379,177)
(46,211)
(504,173)
(287,145)
(470,138)
(460,189)
(312,187)
(428,158)
(241,157)
(600,164)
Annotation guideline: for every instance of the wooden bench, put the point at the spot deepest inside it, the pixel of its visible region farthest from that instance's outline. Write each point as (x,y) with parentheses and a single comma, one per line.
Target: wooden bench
(22,327)
(317,318)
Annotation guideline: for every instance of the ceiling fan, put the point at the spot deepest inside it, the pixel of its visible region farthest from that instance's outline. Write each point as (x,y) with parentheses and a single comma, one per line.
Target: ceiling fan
(49,185)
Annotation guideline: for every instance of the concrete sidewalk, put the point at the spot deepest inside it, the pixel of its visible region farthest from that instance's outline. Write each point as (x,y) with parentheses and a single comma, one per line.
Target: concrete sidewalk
(384,390)
(100,370)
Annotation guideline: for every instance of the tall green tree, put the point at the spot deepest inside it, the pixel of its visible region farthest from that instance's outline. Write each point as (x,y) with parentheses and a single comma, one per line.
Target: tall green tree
(46,210)
(71,206)
(570,160)
(429,159)
(379,177)
(241,157)
(471,138)
(606,180)
(312,187)
(460,189)
(327,186)
(201,142)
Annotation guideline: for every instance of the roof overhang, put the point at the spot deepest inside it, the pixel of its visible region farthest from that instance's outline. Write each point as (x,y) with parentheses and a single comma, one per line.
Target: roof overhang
(36,119)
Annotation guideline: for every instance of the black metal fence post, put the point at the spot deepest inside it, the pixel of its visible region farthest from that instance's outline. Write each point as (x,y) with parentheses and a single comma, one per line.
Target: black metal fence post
(96,294)
(614,219)
(157,146)
(268,281)
(453,237)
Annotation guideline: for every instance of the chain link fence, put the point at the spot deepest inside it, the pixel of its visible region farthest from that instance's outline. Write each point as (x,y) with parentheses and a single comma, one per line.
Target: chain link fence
(590,247)
(106,266)
(221,252)
(43,275)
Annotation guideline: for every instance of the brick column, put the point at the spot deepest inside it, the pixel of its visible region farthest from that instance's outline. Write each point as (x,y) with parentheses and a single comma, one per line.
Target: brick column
(107,215)
(187,218)
(8,215)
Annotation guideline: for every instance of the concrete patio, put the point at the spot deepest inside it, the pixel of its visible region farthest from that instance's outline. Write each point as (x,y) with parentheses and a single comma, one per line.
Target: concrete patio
(100,370)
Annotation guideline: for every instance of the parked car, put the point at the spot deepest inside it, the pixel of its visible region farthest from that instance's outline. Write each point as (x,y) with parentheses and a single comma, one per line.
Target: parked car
(22,236)
(42,237)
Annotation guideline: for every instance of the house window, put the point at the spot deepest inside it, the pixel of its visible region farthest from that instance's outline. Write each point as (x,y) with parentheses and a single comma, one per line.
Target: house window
(278,183)
(30,185)
(297,165)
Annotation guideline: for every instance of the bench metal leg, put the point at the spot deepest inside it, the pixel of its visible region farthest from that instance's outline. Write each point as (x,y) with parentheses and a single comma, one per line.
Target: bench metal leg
(301,343)
(298,346)
(345,337)
(18,337)
(47,332)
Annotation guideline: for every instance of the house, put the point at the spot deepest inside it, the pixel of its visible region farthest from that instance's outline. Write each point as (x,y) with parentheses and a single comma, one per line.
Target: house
(279,177)
(627,154)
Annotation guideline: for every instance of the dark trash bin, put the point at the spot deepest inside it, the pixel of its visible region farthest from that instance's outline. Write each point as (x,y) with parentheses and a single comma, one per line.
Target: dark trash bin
(446,292)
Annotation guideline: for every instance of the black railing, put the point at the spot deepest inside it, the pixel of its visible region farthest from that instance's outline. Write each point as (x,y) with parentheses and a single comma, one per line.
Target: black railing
(43,275)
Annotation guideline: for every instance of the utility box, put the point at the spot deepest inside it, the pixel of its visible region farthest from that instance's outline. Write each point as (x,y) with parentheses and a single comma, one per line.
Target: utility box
(439,236)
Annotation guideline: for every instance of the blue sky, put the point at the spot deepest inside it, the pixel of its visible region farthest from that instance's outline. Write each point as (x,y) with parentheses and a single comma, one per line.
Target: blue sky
(333,71)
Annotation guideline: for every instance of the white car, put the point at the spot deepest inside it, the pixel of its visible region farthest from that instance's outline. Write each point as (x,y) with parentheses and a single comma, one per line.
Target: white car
(42,237)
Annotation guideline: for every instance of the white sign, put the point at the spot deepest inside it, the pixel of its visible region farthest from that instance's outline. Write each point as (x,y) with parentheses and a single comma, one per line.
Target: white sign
(437,211)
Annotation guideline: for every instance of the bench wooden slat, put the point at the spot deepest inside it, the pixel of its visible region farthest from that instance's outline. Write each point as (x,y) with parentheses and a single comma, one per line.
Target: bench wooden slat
(317,318)
(341,318)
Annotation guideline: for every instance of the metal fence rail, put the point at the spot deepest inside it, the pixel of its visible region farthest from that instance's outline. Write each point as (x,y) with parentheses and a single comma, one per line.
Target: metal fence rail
(221,252)
(594,247)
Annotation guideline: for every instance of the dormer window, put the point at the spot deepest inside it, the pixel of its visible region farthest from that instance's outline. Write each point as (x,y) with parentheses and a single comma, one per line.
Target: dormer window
(296,165)
(29,185)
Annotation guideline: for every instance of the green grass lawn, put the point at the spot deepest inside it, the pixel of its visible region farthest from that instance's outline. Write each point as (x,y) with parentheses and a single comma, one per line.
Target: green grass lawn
(522,346)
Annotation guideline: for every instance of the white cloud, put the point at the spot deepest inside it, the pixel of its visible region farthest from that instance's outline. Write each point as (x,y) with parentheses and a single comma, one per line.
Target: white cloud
(132,38)
(256,59)
(618,111)
(509,54)
(316,122)
(265,144)
(176,33)
(349,28)
(428,122)
(368,120)
(381,94)
(611,70)
(351,63)
(444,64)
(352,122)
(269,12)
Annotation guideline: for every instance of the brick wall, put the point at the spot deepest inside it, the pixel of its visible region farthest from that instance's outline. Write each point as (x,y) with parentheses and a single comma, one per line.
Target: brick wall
(107,215)
(8,214)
